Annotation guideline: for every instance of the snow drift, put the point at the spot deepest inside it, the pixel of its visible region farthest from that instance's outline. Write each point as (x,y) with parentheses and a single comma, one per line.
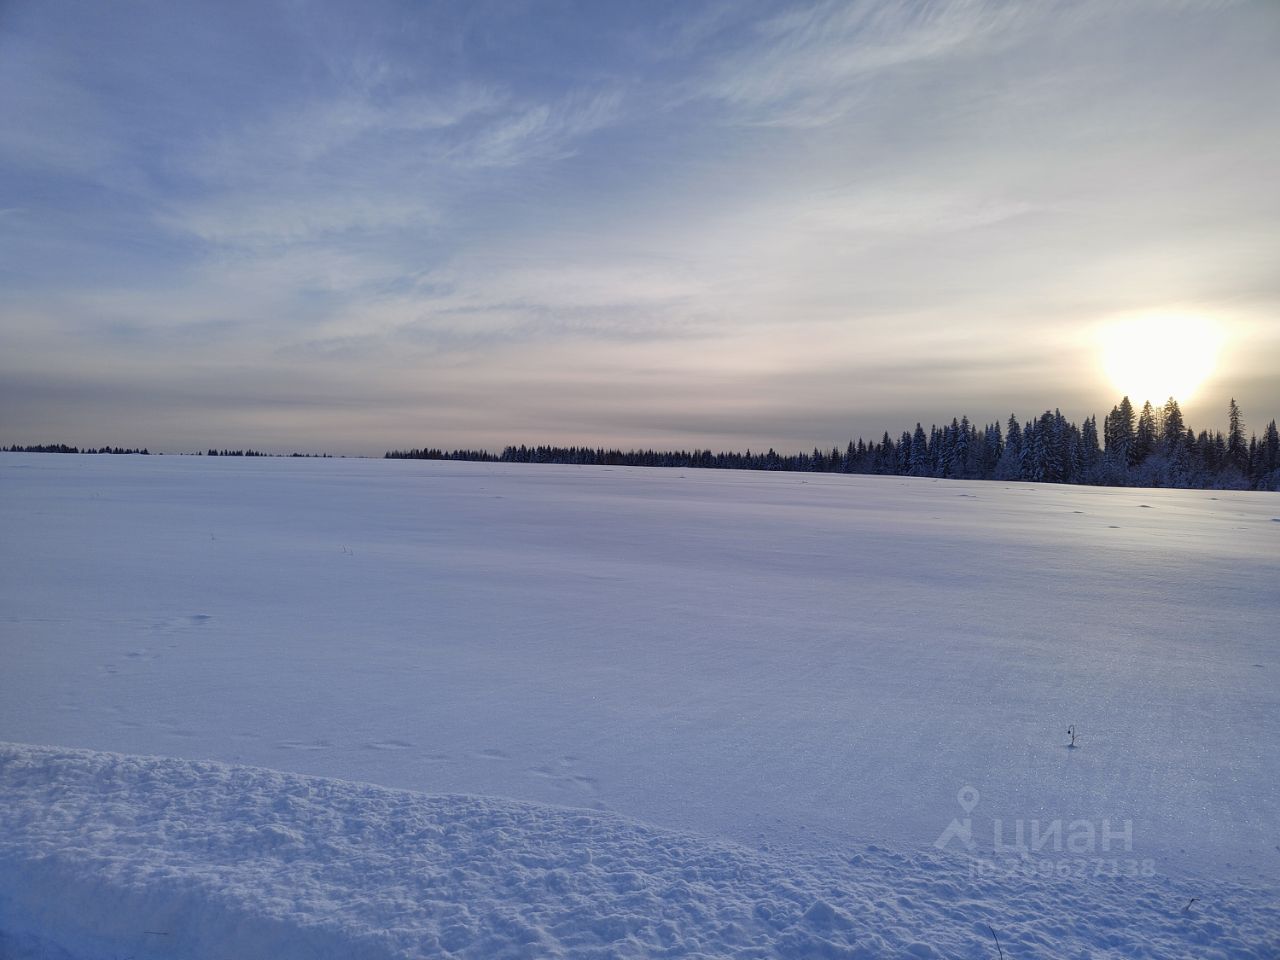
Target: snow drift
(105,855)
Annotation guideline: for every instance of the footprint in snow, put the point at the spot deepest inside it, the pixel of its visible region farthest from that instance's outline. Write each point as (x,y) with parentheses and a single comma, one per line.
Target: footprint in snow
(169,625)
(589,784)
(564,775)
(586,784)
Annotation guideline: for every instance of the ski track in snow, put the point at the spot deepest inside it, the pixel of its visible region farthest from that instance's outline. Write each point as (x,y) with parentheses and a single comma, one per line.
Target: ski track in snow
(104,855)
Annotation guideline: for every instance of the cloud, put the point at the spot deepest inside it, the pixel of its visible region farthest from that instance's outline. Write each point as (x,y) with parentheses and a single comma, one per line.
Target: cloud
(264,220)
(809,66)
(335,131)
(760,220)
(541,131)
(55,125)
(353,172)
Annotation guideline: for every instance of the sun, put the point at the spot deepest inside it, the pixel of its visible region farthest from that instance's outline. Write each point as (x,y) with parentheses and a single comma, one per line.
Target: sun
(1157,357)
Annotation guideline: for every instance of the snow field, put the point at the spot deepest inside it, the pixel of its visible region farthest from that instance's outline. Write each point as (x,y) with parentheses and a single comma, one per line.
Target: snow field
(790,685)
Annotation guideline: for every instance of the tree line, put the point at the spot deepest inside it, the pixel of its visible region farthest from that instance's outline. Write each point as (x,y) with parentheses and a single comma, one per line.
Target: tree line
(212,452)
(1152,447)
(64,448)
(143,451)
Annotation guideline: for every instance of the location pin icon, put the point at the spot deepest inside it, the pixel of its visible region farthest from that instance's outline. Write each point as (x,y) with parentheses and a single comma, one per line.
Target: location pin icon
(968,798)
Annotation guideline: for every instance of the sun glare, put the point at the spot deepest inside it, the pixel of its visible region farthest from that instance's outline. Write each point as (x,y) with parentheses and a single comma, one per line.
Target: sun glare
(1157,357)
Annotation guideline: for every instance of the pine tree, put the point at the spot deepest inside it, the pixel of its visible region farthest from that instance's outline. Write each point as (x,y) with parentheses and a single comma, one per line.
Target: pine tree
(1009,466)
(1090,453)
(1237,451)
(1269,478)
(1144,438)
(918,463)
(1035,450)
(1118,431)
(1172,427)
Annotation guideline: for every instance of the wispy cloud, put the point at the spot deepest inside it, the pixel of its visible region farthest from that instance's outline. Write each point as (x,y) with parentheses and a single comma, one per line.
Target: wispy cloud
(351,172)
(327,131)
(540,131)
(809,66)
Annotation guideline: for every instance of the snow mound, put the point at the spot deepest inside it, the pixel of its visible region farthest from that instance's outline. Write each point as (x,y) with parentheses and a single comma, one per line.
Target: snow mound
(106,855)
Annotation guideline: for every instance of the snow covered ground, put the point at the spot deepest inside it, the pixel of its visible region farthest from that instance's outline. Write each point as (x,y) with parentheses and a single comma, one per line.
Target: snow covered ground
(168,858)
(769,671)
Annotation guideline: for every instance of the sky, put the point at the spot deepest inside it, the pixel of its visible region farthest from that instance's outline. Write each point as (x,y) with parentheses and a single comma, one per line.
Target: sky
(353,227)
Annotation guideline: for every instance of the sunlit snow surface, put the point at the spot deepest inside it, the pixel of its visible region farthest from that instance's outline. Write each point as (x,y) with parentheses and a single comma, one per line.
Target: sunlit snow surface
(798,664)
